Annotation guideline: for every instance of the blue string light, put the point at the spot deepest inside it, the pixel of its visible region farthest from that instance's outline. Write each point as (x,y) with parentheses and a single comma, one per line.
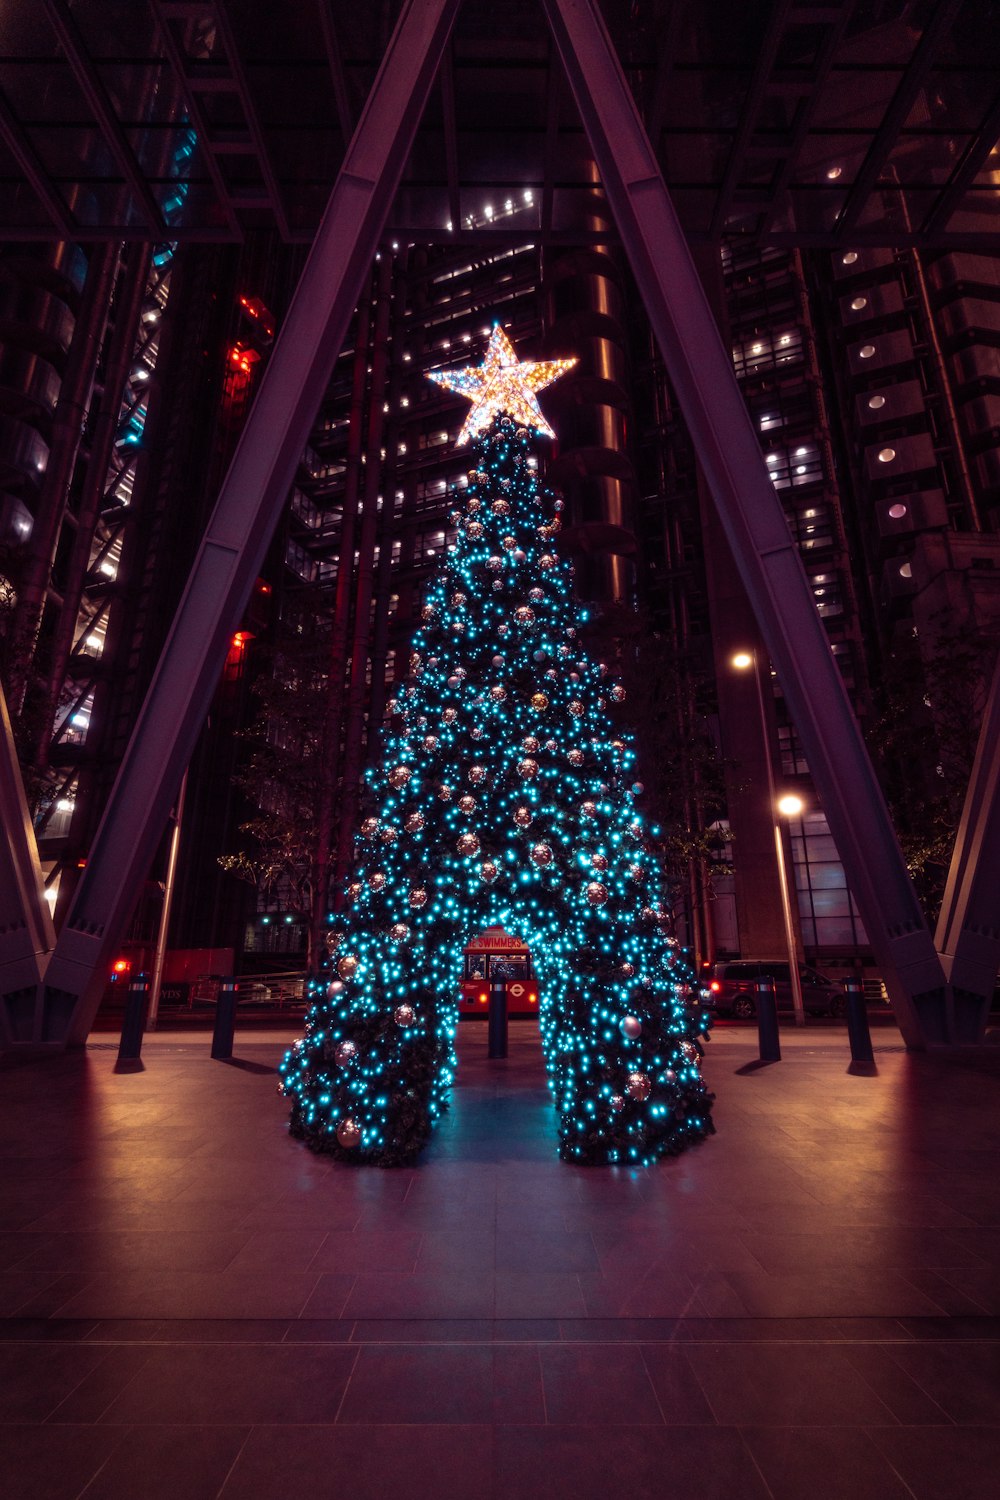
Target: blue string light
(505,796)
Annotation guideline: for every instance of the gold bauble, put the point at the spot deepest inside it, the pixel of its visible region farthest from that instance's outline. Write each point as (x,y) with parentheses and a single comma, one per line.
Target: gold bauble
(597,894)
(399,932)
(523,817)
(418,897)
(369,828)
(399,776)
(539,702)
(467,804)
(347,967)
(488,872)
(467,844)
(414,822)
(527,768)
(524,615)
(349,1134)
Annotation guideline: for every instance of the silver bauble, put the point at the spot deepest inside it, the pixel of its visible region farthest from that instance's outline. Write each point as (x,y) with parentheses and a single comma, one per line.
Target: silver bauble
(348,1134)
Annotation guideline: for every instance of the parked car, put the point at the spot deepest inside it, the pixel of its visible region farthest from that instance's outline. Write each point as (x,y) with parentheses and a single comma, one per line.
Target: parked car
(732,988)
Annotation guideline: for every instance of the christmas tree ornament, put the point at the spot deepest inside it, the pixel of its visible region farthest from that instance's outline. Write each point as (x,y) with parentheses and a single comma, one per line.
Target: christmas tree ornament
(638,1086)
(333,940)
(531,860)
(346,1053)
(617,693)
(631,1027)
(347,967)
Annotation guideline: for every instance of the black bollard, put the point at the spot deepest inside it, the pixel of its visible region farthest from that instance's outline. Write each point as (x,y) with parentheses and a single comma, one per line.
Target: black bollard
(497,1023)
(767,1020)
(857,1022)
(134,1022)
(225,1019)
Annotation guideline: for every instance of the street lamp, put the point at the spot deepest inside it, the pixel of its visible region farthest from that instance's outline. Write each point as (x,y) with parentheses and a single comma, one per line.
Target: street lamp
(789,806)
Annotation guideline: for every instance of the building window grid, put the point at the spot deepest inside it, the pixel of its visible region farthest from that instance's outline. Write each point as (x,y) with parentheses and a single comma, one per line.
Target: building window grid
(827,910)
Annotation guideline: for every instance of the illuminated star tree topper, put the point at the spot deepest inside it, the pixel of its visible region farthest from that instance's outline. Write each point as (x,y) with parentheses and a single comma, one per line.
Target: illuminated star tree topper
(502,383)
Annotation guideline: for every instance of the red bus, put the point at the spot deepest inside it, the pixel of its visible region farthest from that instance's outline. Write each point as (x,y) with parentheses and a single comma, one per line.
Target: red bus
(491,957)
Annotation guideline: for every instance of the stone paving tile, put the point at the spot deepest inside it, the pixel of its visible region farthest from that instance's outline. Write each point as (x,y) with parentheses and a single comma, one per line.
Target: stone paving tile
(806,1305)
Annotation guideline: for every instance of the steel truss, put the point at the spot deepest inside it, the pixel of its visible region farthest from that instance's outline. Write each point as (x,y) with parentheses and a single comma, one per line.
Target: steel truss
(258,480)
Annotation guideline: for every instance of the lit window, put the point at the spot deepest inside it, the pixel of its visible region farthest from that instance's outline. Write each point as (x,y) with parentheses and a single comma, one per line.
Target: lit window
(772,458)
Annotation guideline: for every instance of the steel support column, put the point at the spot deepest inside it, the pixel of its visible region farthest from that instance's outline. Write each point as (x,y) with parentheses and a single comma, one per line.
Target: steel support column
(968,930)
(246,513)
(752,517)
(26,934)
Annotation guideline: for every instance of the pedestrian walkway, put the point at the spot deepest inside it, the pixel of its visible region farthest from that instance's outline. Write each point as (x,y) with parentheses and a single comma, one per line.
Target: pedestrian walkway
(806,1305)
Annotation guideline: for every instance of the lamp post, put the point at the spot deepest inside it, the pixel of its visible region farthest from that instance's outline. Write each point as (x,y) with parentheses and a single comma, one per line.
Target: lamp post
(789,806)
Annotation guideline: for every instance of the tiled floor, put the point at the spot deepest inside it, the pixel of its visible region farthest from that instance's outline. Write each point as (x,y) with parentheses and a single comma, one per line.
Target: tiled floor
(803,1308)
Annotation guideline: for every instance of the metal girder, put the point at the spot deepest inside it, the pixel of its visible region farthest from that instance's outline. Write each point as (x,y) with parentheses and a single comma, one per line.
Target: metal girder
(701,371)
(750,113)
(196,114)
(246,513)
(898,112)
(338,77)
(25,154)
(276,202)
(965,173)
(968,930)
(804,118)
(96,95)
(26,934)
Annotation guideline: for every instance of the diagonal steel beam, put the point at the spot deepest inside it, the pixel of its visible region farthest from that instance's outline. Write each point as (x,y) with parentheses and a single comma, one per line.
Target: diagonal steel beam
(750,113)
(247,511)
(30,163)
(895,117)
(26,935)
(196,114)
(236,68)
(96,95)
(338,77)
(968,930)
(751,514)
(966,172)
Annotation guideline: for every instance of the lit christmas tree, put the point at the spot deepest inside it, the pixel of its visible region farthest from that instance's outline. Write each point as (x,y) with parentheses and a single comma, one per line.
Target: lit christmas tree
(505,797)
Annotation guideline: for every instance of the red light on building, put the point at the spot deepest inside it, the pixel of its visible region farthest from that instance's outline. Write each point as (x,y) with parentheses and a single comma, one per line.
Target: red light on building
(263,588)
(81,864)
(243,359)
